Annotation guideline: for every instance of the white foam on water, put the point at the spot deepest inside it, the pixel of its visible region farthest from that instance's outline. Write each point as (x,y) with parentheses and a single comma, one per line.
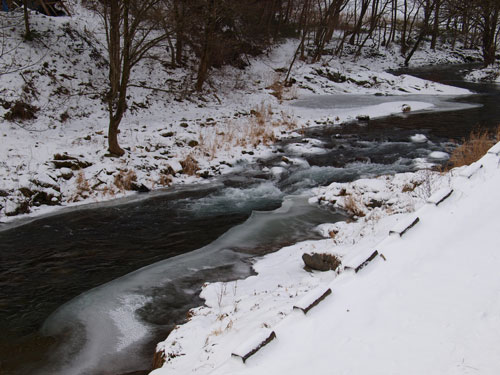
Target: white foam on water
(235,199)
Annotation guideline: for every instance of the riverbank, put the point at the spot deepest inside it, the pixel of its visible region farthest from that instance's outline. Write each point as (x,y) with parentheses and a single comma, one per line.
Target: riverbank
(173,135)
(426,302)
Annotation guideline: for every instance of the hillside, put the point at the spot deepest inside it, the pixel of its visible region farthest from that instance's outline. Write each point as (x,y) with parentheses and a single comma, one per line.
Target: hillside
(54,150)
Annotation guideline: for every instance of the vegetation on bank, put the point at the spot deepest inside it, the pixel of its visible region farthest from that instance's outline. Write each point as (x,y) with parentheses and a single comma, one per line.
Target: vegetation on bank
(220,32)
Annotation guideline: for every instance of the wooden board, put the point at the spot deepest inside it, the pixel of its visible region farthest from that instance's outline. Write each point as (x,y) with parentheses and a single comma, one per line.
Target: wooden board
(254,344)
(440,196)
(311,299)
(471,170)
(404,226)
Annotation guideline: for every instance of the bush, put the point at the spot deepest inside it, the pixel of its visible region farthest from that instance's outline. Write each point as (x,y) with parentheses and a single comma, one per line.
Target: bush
(21,111)
(125,179)
(473,148)
(190,165)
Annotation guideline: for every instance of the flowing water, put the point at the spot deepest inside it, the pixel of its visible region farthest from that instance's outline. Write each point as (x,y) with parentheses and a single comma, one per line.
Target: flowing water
(91,290)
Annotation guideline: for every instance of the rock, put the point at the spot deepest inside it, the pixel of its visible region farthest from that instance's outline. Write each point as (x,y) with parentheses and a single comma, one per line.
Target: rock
(363,118)
(405,108)
(71,162)
(27,192)
(418,138)
(173,167)
(192,143)
(439,155)
(16,208)
(4,193)
(374,203)
(66,173)
(321,262)
(204,174)
(141,188)
(45,181)
(48,197)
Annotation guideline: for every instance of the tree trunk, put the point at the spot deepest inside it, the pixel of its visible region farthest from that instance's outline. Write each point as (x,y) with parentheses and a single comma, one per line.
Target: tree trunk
(435,29)
(207,45)
(27,34)
(404,45)
(359,23)
(429,7)
(490,17)
(113,146)
(179,31)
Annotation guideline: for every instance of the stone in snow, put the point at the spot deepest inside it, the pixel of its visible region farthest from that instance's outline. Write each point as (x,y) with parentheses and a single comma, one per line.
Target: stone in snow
(418,138)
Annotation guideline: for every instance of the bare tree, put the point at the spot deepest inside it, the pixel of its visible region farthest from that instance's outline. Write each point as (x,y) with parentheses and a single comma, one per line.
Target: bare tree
(428,6)
(132,29)
(488,22)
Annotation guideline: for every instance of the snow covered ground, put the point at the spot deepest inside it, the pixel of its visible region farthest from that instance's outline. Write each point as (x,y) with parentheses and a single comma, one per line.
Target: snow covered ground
(172,135)
(427,303)
(489,74)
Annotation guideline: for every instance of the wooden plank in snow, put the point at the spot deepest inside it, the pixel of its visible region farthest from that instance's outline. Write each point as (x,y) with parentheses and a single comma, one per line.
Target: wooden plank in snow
(368,260)
(471,170)
(311,299)
(254,344)
(495,150)
(404,226)
(360,260)
(439,196)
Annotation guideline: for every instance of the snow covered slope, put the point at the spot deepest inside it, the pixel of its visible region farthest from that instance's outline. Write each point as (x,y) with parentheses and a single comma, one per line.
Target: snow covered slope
(62,76)
(429,305)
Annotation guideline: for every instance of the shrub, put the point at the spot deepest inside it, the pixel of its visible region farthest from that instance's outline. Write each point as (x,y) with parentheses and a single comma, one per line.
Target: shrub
(190,165)
(352,206)
(82,183)
(125,179)
(473,148)
(21,111)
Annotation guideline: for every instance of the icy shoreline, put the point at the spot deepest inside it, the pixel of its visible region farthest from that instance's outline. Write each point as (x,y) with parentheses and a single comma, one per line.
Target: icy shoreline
(438,245)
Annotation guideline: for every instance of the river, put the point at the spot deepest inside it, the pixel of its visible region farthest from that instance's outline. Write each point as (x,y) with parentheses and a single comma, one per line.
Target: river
(90,290)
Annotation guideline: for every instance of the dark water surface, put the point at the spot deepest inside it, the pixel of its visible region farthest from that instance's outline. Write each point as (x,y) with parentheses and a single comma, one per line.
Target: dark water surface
(69,303)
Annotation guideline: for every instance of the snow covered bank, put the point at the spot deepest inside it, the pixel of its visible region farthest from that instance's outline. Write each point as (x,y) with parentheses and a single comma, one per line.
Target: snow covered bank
(489,74)
(172,135)
(428,303)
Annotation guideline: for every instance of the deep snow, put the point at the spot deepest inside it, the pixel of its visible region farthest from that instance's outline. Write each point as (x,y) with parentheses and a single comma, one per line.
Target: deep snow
(429,305)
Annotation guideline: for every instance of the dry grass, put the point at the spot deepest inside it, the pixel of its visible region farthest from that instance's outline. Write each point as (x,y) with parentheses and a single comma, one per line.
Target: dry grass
(277,88)
(21,111)
(82,184)
(473,148)
(217,332)
(124,179)
(352,206)
(190,165)
(281,91)
(82,187)
(258,129)
(165,180)
(108,190)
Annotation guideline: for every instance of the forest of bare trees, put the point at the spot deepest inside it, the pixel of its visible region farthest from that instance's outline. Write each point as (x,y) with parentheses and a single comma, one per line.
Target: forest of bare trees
(214,33)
